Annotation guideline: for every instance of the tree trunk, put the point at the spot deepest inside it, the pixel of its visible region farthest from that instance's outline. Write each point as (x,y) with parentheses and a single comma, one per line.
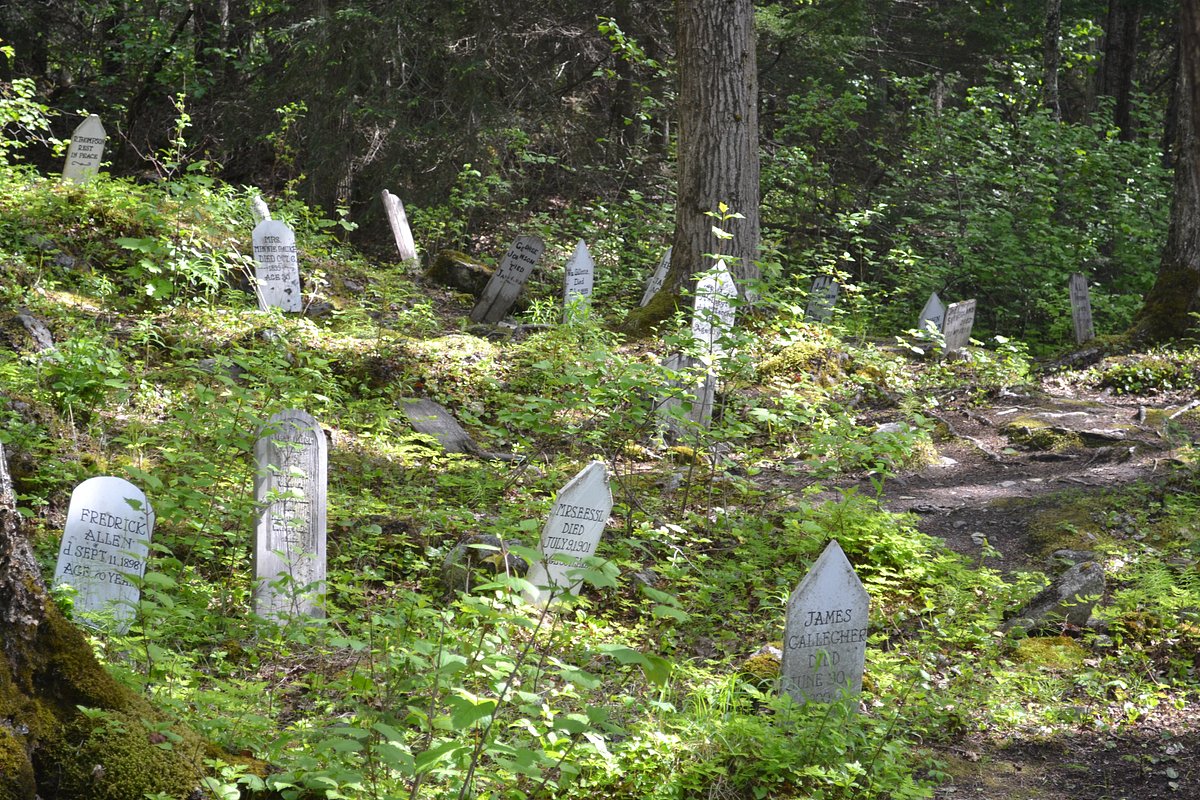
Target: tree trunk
(718,149)
(1176,292)
(1120,60)
(1051,57)
(48,747)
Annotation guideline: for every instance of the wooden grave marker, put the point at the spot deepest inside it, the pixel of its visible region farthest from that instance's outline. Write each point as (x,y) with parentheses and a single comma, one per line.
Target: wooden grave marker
(398,221)
(960,318)
(1081,308)
(572,531)
(502,290)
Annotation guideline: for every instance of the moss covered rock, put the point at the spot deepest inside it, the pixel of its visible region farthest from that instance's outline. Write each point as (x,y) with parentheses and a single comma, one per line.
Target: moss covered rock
(459,271)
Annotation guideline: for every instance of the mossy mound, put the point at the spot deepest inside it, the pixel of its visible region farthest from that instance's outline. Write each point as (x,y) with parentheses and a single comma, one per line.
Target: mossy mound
(1051,652)
(806,360)
(1036,434)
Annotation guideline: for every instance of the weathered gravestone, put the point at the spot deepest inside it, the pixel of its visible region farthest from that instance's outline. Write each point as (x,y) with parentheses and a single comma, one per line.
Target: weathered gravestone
(398,220)
(960,318)
(825,638)
(86,150)
(277,272)
(821,299)
(712,319)
(572,531)
(292,463)
(429,418)
(502,290)
(934,313)
(104,545)
(1081,308)
(656,280)
(580,276)
(259,207)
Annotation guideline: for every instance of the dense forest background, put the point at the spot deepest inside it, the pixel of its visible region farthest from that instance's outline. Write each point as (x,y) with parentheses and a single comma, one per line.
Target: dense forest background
(909,146)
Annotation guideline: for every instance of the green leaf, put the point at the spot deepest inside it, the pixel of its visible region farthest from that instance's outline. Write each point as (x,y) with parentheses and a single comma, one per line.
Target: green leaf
(466,710)
(435,755)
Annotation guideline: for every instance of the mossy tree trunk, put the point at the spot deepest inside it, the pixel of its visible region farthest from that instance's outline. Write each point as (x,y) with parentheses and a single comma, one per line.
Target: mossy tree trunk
(49,749)
(718,150)
(1167,313)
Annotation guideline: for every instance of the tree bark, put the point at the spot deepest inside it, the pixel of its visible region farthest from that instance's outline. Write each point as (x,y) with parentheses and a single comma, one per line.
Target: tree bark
(1176,292)
(1120,60)
(718,149)
(1051,57)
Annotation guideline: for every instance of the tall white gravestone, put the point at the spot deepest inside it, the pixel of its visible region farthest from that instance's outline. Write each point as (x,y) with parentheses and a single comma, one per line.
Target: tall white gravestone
(960,319)
(502,290)
(712,319)
(572,531)
(821,299)
(105,541)
(259,207)
(292,463)
(579,279)
(825,637)
(934,313)
(277,271)
(86,150)
(656,280)
(398,220)
(1081,308)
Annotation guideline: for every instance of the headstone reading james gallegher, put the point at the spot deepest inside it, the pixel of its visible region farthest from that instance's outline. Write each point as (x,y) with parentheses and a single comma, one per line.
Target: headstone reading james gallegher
(572,531)
(86,150)
(579,278)
(292,463)
(656,280)
(502,290)
(1081,308)
(104,546)
(277,272)
(821,299)
(825,638)
(934,313)
(398,221)
(956,330)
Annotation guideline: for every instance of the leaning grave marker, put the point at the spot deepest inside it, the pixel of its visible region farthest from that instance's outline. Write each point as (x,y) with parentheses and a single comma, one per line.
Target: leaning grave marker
(579,278)
(572,531)
(292,464)
(398,221)
(104,544)
(933,313)
(502,290)
(658,278)
(277,271)
(821,299)
(956,330)
(86,150)
(825,636)
(1081,308)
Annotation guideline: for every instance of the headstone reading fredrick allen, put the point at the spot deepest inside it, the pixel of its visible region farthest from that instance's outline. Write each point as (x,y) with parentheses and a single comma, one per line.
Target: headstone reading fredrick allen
(934,313)
(277,271)
(656,280)
(104,546)
(578,281)
(292,463)
(398,220)
(86,150)
(572,531)
(821,299)
(502,290)
(960,318)
(1081,308)
(825,638)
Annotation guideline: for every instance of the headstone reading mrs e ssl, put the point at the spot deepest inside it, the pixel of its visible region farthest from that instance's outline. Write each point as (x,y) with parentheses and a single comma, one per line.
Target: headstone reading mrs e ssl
(960,318)
(580,276)
(398,220)
(292,463)
(572,531)
(712,319)
(502,290)
(259,207)
(104,544)
(825,637)
(277,272)
(821,299)
(934,313)
(1081,308)
(656,280)
(86,150)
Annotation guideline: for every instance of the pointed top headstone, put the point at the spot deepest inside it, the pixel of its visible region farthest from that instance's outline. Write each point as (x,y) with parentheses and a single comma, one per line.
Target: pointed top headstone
(656,280)
(86,150)
(825,637)
(572,531)
(502,290)
(260,209)
(398,221)
(956,328)
(934,313)
(579,278)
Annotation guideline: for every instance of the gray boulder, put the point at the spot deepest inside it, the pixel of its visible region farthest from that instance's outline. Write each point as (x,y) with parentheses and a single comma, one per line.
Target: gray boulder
(1069,599)
(477,559)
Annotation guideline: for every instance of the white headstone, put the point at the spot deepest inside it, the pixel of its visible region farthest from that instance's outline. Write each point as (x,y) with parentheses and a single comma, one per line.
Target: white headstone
(1081,309)
(277,271)
(292,463)
(398,220)
(825,638)
(934,313)
(86,150)
(712,320)
(580,275)
(502,290)
(572,531)
(105,541)
(821,299)
(960,318)
(656,280)
(259,207)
